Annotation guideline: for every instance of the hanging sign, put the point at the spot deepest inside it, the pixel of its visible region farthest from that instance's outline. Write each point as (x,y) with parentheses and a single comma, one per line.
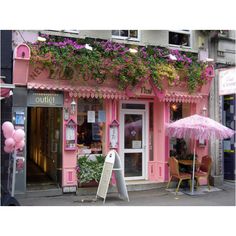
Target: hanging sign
(227,81)
(70,135)
(113,132)
(43,99)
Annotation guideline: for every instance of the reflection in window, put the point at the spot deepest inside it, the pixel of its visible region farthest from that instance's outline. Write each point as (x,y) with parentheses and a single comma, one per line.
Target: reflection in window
(180,38)
(133,164)
(133,131)
(175,111)
(132,34)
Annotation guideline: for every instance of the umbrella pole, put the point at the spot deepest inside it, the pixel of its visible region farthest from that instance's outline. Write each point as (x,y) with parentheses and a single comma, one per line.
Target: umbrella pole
(194,154)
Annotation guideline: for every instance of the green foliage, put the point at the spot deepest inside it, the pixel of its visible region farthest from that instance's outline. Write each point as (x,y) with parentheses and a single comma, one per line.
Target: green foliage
(88,170)
(109,60)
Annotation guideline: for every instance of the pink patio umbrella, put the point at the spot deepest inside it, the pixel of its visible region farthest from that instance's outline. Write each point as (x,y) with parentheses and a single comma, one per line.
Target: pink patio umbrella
(198,127)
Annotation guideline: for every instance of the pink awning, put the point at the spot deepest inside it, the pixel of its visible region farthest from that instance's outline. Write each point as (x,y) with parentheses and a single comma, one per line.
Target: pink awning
(79,91)
(5,92)
(181,97)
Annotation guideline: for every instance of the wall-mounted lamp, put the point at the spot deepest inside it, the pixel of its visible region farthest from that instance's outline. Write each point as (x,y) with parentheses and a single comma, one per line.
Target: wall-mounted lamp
(73,107)
(41,39)
(174,107)
(133,50)
(171,57)
(204,109)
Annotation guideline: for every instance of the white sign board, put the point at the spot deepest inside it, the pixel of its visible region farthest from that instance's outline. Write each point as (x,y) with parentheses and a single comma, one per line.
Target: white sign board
(112,163)
(91,116)
(106,175)
(136,144)
(227,81)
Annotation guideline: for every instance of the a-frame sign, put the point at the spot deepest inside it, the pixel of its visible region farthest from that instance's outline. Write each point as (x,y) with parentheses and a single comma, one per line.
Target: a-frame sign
(112,163)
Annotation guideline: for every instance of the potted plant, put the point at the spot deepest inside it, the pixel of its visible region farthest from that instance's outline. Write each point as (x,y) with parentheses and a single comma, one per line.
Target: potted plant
(89,171)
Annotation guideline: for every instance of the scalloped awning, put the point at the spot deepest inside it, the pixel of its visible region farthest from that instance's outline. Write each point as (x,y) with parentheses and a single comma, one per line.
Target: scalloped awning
(181,97)
(80,91)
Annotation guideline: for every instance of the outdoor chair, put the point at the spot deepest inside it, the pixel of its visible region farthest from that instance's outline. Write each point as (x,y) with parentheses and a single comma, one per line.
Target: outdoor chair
(175,173)
(204,170)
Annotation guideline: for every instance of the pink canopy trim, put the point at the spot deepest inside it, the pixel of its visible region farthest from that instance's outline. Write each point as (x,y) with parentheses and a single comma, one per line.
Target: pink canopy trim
(4,91)
(79,91)
(180,97)
(198,127)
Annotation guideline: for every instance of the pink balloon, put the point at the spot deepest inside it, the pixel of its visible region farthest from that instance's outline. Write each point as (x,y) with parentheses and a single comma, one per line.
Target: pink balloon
(19,135)
(20,145)
(7,123)
(8,129)
(8,149)
(10,142)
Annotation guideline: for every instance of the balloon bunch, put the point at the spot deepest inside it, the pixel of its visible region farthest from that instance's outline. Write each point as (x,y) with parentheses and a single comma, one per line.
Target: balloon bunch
(14,138)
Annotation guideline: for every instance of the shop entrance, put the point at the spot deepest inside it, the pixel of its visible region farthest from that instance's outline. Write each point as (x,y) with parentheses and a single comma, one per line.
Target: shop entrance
(133,123)
(44,151)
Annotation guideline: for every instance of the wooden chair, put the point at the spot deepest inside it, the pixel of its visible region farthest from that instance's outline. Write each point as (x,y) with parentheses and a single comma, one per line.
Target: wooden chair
(175,173)
(204,170)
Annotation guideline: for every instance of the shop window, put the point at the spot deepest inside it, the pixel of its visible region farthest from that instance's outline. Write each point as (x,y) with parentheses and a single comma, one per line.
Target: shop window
(179,147)
(180,38)
(125,34)
(91,126)
(135,106)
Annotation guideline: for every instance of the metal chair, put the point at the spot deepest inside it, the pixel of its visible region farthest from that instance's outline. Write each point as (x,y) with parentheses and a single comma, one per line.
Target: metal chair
(204,170)
(175,173)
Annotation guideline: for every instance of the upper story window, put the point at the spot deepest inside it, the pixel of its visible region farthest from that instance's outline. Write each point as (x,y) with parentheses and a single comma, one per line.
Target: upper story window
(126,34)
(180,38)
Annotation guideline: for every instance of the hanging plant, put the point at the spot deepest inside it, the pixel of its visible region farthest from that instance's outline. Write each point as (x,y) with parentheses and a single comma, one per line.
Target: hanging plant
(102,60)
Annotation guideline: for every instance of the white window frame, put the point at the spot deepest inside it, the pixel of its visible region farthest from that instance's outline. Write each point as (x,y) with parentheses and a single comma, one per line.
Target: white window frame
(126,38)
(62,33)
(145,112)
(189,32)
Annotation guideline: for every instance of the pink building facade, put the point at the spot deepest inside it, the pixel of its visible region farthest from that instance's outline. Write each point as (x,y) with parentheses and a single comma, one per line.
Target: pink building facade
(140,112)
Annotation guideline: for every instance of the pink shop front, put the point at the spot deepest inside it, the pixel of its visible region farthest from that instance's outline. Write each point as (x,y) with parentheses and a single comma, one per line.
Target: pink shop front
(82,124)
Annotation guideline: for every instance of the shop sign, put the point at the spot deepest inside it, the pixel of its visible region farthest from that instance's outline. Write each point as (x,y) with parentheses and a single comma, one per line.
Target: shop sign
(38,99)
(227,82)
(145,89)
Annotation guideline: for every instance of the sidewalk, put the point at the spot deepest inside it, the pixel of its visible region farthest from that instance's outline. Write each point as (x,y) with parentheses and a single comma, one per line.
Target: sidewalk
(223,196)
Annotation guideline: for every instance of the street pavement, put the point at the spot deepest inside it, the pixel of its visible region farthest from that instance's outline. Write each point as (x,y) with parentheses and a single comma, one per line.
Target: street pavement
(221,196)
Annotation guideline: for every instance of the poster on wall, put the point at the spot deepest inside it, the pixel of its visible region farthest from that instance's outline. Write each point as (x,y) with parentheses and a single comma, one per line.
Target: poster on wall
(101,116)
(91,117)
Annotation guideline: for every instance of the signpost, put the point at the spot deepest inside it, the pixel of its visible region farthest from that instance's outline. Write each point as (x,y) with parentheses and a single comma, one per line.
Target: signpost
(112,163)
(227,81)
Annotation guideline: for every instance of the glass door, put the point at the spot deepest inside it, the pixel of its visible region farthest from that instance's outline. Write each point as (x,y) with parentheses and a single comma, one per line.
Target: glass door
(133,144)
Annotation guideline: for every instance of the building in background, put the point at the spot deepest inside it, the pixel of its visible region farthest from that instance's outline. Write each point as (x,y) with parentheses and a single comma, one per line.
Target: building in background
(222,101)
(6,99)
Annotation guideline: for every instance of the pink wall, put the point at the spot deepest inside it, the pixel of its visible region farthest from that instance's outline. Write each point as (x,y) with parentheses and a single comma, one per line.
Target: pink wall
(157,167)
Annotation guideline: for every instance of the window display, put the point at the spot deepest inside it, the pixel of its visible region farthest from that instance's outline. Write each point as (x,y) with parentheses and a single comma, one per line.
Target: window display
(91,126)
